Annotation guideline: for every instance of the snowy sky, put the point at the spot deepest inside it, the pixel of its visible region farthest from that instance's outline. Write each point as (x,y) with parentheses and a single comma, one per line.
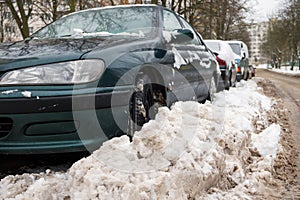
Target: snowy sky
(264,9)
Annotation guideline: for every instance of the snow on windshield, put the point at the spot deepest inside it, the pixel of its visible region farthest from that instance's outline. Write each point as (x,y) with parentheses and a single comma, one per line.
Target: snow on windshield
(132,21)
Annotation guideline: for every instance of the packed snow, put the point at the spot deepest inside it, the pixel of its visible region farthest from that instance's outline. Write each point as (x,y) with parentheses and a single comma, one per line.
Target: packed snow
(7,92)
(26,94)
(287,70)
(182,154)
(267,141)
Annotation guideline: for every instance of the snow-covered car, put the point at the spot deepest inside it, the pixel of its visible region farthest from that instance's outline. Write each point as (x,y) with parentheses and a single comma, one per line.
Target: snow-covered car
(97,74)
(241,58)
(226,59)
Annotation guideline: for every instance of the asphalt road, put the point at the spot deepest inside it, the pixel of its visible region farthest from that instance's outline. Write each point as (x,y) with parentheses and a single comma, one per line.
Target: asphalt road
(290,85)
(289,90)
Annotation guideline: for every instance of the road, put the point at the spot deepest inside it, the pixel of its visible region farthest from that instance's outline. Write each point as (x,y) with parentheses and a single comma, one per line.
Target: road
(288,88)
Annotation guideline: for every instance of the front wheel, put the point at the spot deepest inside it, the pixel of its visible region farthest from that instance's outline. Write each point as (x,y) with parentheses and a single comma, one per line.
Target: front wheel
(140,104)
(227,80)
(246,75)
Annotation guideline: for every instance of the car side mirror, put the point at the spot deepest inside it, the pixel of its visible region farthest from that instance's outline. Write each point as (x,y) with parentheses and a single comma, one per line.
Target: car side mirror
(244,55)
(215,53)
(182,36)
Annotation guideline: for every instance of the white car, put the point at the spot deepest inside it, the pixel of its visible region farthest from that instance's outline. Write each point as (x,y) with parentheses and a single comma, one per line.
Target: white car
(240,50)
(226,59)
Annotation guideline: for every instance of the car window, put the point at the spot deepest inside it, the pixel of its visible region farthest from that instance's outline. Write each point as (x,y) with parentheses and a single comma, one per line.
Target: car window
(196,40)
(111,21)
(236,47)
(170,21)
(227,48)
(214,46)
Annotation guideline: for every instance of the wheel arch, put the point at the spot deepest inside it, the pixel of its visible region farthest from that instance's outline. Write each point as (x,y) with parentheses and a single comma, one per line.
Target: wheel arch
(156,77)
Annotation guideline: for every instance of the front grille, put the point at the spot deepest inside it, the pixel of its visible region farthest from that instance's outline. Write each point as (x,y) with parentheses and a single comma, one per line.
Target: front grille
(5,126)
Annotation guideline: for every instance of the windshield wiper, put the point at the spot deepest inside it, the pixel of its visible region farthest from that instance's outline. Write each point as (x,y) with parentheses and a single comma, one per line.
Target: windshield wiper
(28,39)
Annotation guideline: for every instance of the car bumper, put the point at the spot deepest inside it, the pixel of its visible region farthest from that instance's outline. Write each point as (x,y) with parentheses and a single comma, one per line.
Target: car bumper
(239,77)
(61,124)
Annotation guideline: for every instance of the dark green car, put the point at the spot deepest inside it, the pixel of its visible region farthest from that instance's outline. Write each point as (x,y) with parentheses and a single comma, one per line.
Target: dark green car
(97,74)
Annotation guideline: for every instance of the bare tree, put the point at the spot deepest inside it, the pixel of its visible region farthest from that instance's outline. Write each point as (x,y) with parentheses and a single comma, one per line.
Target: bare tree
(46,7)
(1,21)
(222,19)
(292,19)
(283,39)
(21,11)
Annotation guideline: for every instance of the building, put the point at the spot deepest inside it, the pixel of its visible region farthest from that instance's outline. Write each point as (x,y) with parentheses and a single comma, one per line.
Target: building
(258,35)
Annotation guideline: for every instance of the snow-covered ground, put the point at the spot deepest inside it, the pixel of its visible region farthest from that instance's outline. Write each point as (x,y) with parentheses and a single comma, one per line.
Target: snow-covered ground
(223,150)
(284,69)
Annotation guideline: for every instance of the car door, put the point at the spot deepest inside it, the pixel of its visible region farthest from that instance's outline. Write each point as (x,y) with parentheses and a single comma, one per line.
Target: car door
(186,81)
(202,62)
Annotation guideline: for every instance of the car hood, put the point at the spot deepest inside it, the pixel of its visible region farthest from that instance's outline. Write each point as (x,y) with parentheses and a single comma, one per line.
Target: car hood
(38,52)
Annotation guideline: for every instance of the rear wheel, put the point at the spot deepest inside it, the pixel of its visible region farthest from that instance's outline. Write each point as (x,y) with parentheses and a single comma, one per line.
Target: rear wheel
(227,80)
(246,75)
(144,103)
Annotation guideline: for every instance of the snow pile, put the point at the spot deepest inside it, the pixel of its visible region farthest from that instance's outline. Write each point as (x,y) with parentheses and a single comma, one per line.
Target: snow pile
(184,152)
(267,141)
(287,71)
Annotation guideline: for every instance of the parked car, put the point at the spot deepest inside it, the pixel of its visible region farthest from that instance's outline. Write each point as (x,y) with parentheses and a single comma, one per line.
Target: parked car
(226,60)
(252,70)
(97,74)
(242,59)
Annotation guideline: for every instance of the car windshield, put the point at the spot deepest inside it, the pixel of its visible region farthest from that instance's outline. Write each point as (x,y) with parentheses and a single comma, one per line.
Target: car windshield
(214,46)
(236,48)
(129,21)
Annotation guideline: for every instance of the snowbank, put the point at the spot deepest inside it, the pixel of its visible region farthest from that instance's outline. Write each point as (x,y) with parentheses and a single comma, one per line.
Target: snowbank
(267,141)
(287,70)
(184,152)
(283,70)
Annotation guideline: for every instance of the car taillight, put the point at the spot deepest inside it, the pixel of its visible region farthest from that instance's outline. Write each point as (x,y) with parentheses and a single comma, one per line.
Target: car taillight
(221,62)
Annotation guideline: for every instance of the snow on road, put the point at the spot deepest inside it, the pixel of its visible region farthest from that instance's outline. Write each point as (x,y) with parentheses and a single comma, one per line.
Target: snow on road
(283,70)
(201,151)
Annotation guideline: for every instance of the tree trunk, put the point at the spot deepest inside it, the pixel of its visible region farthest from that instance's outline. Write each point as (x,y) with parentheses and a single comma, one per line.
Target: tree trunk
(72,4)
(1,23)
(22,20)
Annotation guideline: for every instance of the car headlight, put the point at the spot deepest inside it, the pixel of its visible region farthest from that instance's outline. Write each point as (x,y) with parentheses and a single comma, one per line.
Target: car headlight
(71,72)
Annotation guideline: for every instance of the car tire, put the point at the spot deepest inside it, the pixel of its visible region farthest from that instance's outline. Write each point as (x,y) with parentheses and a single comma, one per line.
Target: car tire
(141,105)
(227,81)
(245,76)
(249,74)
(232,79)
(212,89)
